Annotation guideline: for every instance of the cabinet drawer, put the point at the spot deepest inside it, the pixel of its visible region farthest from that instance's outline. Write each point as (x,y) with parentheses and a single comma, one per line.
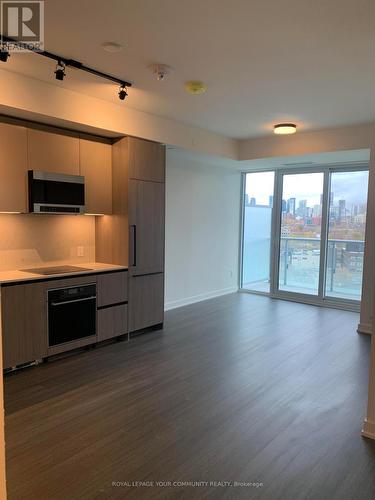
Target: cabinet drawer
(112,322)
(112,288)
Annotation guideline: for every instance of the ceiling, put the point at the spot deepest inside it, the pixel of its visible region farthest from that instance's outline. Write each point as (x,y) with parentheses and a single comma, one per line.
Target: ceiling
(264,61)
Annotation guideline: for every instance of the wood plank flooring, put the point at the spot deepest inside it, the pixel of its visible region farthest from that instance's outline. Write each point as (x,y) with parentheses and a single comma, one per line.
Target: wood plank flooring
(238,388)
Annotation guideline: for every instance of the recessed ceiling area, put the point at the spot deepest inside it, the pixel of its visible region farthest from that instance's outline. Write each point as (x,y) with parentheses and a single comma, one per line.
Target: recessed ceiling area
(263,61)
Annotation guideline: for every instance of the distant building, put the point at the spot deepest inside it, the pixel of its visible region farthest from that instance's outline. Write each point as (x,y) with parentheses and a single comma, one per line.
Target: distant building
(253,202)
(270,201)
(342,209)
(292,206)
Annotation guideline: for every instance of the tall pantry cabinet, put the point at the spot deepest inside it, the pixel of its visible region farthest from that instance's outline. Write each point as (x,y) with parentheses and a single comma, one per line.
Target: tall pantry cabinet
(134,234)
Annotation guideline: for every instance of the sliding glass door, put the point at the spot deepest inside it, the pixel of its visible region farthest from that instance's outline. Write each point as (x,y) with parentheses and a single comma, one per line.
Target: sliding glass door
(304,234)
(300,232)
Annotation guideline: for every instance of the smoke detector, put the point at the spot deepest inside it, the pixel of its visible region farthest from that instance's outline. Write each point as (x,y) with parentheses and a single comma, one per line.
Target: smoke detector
(160,71)
(195,87)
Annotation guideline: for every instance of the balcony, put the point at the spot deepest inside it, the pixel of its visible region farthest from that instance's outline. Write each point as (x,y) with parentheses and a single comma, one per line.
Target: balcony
(300,263)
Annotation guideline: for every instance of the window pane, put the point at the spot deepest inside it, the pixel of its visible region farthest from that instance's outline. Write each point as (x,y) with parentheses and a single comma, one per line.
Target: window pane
(346,234)
(257,231)
(301,219)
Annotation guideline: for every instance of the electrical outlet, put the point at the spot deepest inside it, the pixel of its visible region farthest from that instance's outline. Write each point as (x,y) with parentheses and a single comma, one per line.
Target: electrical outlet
(80,251)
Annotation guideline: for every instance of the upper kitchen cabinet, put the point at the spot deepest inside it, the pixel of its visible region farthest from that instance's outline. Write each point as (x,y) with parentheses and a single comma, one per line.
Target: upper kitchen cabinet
(13,168)
(96,166)
(146,160)
(53,152)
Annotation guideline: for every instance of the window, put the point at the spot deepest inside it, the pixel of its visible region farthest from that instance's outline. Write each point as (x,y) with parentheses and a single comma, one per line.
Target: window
(304,233)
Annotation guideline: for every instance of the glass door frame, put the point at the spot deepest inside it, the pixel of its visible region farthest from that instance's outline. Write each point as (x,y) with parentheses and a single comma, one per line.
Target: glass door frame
(320,299)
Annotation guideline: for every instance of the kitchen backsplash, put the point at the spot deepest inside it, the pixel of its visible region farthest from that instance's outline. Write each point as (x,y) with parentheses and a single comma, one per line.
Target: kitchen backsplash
(30,240)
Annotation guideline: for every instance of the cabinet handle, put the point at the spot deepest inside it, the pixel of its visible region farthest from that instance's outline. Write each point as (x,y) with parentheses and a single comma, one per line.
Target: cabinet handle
(134,229)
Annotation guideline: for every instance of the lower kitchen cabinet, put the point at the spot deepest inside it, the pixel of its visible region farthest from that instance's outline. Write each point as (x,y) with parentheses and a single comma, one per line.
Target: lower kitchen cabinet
(112,322)
(146,301)
(24,323)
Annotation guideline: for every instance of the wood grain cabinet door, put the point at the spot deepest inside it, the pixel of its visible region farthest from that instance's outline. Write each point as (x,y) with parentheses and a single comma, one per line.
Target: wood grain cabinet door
(146,160)
(53,152)
(112,288)
(24,323)
(146,301)
(96,166)
(13,168)
(146,227)
(112,322)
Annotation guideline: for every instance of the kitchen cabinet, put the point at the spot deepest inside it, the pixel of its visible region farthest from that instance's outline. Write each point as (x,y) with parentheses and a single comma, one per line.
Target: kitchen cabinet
(134,235)
(112,322)
(112,296)
(13,168)
(53,152)
(146,225)
(146,301)
(24,323)
(146,160)
(95,159)
(112,288)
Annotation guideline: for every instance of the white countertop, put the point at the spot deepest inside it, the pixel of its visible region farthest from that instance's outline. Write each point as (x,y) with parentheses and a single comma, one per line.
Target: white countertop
(14,276)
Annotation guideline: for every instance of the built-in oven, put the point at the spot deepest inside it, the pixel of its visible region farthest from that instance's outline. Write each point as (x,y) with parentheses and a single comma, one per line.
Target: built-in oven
(52,193)
(71,314)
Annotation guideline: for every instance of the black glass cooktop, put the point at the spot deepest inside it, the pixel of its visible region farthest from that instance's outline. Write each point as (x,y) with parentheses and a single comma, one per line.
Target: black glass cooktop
(45,271)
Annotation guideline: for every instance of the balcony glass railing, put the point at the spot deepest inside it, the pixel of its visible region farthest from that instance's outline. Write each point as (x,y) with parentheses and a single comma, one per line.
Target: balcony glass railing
(300,264)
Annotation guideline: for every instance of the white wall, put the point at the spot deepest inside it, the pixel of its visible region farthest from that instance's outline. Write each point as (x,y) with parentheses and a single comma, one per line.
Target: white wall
(202,230)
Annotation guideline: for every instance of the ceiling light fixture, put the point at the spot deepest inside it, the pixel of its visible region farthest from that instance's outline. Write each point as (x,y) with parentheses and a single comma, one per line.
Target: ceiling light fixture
(285,128)
(122,92)
(62,64)
(4,54)
(60,71)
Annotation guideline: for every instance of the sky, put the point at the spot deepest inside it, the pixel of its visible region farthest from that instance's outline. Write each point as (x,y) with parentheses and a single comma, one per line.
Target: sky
(350,186)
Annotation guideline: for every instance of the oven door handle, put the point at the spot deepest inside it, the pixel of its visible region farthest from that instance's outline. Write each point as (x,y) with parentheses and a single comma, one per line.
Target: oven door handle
(72,301)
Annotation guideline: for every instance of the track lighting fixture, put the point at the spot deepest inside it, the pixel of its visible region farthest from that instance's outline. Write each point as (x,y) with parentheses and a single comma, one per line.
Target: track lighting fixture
(63,63)
(60,71)
(122,93)
(4,54)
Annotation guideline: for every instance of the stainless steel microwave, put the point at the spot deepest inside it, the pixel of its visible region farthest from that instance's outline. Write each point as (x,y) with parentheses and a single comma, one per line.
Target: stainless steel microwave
(51,193)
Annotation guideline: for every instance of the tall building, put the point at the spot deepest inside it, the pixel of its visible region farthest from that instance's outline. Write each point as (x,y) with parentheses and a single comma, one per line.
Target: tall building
(292,206)
(253,202)
(342,209)
(270,201)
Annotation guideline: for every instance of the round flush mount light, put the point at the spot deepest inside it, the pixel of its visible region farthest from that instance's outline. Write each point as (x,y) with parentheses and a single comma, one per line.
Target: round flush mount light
(195,87)
(285,128)
(112,47)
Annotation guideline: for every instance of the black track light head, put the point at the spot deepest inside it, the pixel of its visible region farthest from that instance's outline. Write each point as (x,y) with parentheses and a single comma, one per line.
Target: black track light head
(4,55)
(122,93)
(60,71)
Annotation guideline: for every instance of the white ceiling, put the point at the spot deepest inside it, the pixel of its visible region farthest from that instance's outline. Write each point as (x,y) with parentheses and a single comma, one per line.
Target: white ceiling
(264,61)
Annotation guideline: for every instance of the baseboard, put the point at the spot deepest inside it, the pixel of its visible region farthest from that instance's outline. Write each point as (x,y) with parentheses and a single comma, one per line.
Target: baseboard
(368,429)
(365,328)
(174,304)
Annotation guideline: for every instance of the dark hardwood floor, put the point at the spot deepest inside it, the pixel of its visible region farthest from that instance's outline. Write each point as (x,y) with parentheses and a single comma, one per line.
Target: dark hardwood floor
(238,388)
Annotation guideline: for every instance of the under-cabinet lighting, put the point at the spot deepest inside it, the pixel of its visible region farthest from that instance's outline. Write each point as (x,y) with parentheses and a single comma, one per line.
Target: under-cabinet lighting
(96,215)
(3,212)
